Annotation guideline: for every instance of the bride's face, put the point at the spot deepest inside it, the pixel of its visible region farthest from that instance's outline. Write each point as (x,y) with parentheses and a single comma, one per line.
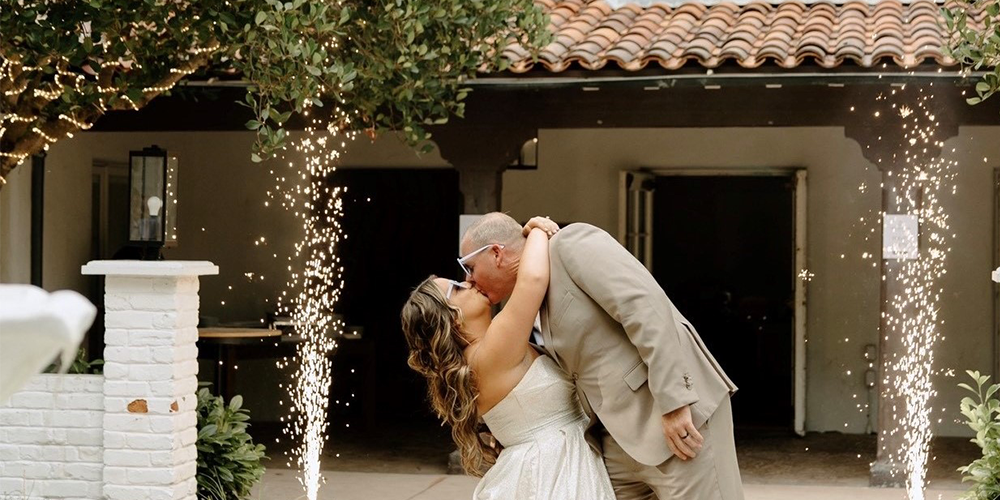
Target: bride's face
(462,295)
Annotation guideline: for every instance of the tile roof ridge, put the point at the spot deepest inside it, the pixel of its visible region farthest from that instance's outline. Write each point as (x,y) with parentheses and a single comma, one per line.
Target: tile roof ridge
(593,33)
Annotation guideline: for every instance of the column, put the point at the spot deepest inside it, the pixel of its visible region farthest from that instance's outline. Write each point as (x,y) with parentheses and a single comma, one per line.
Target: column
(481,189)
(888,131)
(150,377)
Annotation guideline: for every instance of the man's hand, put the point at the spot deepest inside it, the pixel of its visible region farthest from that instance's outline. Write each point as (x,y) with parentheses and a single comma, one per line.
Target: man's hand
(682,436)
(542,223)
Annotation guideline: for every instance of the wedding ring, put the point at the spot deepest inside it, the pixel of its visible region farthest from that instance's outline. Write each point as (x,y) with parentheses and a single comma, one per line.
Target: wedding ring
(686,436)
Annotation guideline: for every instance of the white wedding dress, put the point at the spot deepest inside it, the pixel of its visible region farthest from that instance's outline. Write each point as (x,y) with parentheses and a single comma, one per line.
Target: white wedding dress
(541,425)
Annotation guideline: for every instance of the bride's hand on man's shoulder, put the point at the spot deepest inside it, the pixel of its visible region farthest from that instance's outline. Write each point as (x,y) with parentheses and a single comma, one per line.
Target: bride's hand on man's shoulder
(543,223)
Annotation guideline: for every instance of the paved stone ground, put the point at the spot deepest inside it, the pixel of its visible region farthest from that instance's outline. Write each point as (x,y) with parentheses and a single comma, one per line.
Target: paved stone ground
(838,460)
(766,457)
(409,463)
(281,484)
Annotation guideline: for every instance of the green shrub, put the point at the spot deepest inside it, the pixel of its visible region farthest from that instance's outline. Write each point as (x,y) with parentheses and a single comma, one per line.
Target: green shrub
(983,416)
(229,463)
(80,366)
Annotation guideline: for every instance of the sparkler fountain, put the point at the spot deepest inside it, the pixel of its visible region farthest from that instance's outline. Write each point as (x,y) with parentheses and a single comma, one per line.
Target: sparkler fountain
(305,190)
(916,245)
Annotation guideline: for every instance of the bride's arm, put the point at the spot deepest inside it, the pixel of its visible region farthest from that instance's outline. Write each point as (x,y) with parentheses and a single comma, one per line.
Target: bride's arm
(543,223)
(507,337)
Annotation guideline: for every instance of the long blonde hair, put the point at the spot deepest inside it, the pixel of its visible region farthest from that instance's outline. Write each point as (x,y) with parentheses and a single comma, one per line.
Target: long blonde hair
(433,332)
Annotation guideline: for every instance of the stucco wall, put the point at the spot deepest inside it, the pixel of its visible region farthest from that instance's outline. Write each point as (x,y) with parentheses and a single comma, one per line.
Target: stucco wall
(221,211)
(577,179)
(15,227)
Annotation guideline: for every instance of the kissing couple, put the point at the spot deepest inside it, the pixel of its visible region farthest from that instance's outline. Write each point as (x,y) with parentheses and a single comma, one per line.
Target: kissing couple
(591,384)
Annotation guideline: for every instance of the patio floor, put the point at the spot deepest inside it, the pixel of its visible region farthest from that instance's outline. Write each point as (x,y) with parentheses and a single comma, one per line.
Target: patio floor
(410,462)
(282,484)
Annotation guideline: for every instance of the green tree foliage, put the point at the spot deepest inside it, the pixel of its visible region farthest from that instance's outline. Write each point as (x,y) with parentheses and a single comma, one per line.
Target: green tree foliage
(974,41)
(982,415)
(360,65)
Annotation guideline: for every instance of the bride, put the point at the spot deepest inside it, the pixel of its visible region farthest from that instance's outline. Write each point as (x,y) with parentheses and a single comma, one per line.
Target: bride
(482,367)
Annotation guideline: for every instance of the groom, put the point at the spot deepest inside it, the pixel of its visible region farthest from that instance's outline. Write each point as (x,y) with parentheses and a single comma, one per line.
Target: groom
(657,400)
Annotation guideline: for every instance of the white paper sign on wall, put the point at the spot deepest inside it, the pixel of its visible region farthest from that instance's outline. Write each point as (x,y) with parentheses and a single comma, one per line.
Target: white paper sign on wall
(900,237)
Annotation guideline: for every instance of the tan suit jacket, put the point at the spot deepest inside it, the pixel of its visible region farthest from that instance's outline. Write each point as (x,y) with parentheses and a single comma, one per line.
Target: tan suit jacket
(632,355)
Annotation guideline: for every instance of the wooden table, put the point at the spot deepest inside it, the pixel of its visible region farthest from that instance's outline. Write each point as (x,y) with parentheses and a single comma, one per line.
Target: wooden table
(225,339)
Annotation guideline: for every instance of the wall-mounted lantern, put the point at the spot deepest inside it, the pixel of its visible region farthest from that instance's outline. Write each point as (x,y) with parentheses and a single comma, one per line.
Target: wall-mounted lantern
(150,201)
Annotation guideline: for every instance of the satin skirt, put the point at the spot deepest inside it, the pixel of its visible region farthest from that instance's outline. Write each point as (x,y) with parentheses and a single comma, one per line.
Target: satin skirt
(558,464)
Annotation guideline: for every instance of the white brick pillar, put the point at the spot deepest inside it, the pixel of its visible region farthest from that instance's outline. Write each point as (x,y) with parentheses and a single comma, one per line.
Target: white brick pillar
(150,377)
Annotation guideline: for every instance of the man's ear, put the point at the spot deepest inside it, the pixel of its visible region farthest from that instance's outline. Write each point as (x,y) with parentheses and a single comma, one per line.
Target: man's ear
(498,254)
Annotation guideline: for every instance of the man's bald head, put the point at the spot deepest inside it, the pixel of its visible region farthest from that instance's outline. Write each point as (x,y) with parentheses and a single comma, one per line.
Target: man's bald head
(494,270)
(494,227)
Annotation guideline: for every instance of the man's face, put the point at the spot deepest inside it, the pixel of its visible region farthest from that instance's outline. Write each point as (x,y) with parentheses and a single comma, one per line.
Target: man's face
(492,272)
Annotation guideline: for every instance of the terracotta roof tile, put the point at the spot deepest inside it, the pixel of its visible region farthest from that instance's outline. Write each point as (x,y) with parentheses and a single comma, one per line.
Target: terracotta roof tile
(593,35)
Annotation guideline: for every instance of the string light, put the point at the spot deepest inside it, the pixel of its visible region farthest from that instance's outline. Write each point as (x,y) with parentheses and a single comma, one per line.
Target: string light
(43,134)
(158,90)
(79,124)
(130,102)
(51,95)
(16,91)
(15,118)
(203,50)
(20,76)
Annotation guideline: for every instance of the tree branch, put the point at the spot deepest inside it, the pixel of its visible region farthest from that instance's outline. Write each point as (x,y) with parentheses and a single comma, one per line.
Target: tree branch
(22,140)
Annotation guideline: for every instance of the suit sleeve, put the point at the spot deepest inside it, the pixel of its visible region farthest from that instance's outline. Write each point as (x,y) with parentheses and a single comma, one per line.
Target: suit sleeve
(625,289)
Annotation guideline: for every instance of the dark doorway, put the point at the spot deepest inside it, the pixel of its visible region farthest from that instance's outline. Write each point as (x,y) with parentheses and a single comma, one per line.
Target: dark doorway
(723,249)
(401,226)
(109,236)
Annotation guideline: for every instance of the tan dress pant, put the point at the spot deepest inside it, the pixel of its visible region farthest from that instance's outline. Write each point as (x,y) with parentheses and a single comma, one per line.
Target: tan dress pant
(712,475)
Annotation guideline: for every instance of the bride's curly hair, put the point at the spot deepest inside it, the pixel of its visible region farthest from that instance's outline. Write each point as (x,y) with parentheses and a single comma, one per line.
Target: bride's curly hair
(433,332)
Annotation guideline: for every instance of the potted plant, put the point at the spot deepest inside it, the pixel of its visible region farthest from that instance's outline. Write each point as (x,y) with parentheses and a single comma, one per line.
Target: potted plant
(229,463)
(982,414)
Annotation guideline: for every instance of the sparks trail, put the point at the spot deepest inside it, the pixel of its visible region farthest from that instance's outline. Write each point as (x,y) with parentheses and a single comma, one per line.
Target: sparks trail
(918,180)
(313,292)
